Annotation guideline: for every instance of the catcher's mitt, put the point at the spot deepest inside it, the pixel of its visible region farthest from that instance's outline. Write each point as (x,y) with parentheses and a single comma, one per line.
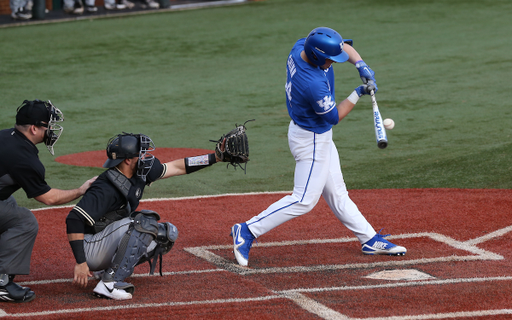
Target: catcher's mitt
(233,147)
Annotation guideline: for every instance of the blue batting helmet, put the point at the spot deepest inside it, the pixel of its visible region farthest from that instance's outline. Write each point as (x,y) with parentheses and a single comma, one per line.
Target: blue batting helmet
(324,43)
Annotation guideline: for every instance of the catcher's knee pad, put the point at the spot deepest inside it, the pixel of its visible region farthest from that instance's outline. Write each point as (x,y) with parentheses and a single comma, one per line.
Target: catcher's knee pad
(166,237)
(133,246)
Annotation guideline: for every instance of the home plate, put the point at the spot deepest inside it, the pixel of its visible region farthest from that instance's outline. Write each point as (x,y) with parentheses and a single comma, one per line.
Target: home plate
(410,274)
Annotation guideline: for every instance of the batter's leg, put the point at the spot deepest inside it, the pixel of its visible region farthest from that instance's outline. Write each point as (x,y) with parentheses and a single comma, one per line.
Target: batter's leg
(336,195)
(312,155)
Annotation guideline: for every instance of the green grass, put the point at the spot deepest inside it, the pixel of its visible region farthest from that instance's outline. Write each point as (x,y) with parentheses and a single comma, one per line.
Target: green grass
(186,77)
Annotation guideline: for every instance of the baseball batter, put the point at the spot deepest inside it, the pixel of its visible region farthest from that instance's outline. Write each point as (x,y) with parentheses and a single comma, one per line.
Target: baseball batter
(310,98)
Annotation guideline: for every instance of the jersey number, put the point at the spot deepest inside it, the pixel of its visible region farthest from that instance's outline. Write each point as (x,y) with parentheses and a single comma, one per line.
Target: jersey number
(288,87)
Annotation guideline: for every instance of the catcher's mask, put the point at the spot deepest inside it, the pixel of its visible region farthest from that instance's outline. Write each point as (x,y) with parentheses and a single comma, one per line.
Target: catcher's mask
(127,146)
(42,114)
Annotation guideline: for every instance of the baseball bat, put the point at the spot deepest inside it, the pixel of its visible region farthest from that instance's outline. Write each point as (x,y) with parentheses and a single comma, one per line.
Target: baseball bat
(380,131)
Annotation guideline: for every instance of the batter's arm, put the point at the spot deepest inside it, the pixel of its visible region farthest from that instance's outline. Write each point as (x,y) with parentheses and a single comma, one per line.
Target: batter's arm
(344,108)
(353,55)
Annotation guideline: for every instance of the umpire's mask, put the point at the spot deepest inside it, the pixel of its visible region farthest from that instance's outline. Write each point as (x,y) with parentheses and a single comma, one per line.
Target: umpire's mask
(127,146)
(42,114)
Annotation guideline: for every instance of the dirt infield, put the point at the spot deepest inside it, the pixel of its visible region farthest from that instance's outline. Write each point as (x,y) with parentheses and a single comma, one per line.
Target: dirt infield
(458,263)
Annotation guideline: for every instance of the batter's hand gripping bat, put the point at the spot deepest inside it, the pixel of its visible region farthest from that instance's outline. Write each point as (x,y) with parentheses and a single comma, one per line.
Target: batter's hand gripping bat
(380,131)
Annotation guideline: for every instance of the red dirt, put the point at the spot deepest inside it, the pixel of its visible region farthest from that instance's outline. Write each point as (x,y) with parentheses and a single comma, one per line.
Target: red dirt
(197,288)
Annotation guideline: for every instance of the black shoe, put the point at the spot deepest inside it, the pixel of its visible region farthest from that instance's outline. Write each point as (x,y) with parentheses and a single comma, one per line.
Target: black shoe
(12,292)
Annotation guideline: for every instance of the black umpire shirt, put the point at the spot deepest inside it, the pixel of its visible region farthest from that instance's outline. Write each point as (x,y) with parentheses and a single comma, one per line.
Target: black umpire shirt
(103,197)
(20,166)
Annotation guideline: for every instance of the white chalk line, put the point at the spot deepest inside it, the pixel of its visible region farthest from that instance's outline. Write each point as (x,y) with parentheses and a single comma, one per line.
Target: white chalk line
(307,303)
(205,253)
(311,305)
(135,275)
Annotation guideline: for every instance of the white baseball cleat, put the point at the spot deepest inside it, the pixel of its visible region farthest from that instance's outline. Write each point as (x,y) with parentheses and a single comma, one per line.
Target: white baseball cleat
(242,242)
(116,290)
(379,245)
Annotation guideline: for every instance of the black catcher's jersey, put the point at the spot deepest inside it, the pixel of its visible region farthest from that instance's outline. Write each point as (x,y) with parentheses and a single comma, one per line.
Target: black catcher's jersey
(20,166)
(103,197)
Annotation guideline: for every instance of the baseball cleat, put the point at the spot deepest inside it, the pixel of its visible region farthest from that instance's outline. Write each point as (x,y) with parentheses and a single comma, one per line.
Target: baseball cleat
(13,292)
(116,290)
(379,245)
(242,242)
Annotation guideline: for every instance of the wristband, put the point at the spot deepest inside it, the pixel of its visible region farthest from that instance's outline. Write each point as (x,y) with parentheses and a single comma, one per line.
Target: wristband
(353,97)
(77,246)
(193,164)
(360,63)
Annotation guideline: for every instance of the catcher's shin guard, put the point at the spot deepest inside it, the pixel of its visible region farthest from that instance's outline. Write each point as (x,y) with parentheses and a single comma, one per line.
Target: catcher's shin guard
(132,248)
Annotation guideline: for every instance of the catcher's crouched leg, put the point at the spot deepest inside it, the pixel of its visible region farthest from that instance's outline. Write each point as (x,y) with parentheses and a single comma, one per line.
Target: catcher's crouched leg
(166,237)
(132,247)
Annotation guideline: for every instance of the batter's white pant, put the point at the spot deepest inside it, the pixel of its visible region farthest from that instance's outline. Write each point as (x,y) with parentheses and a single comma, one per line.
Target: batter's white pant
(317,173)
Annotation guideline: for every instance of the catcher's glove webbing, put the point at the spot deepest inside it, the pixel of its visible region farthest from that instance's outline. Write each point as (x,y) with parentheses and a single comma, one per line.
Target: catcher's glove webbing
(233,147)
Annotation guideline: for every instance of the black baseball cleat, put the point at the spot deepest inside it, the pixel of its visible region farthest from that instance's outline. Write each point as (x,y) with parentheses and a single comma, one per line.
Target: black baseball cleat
(13,292)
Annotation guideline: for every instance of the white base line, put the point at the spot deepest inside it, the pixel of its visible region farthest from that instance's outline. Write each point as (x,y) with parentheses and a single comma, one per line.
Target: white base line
(306,303)
(135,275)
(475,254)
(314,307)
(463,314)
(400,284)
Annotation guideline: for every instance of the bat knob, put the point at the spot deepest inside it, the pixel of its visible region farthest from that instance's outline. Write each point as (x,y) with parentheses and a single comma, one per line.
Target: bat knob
(382,144)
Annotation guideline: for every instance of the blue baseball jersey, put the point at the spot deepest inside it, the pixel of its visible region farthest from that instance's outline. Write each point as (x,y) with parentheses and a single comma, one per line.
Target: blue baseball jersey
(310,93)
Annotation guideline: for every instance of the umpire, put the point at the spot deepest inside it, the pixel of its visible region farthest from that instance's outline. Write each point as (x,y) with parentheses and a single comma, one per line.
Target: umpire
(20,167)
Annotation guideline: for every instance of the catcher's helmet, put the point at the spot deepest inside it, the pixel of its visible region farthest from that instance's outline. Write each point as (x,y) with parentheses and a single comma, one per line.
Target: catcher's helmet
(324,43)
(127,146)
(42,114)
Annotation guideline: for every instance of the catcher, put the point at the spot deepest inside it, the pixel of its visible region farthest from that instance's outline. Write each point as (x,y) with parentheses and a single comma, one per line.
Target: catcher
(107,234)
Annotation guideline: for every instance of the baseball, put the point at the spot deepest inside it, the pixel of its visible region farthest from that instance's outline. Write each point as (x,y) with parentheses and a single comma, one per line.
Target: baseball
(389,124)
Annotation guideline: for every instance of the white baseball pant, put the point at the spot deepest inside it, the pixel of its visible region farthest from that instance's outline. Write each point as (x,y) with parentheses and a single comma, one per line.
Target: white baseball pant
(317,173)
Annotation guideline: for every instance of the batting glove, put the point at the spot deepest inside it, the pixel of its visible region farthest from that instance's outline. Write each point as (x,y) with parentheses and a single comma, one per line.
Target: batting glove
(366,88)
(365,72)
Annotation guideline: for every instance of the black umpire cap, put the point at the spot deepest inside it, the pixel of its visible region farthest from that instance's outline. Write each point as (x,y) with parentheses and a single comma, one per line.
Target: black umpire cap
(33,112)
